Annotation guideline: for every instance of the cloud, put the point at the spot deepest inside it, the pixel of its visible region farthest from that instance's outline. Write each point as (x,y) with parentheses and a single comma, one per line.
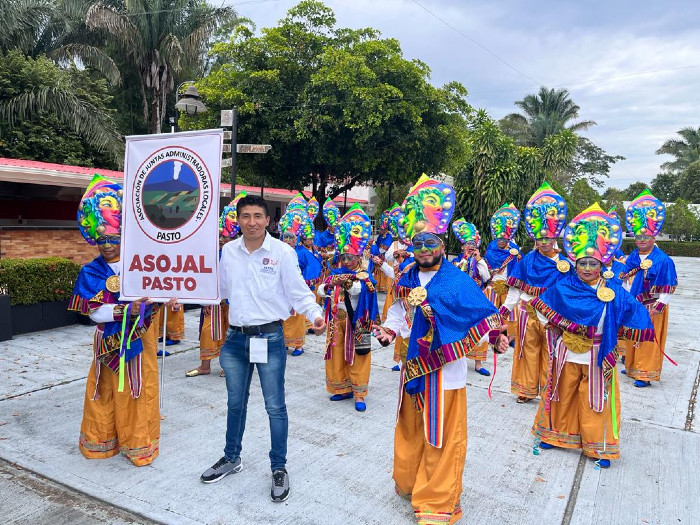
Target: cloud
(634,71)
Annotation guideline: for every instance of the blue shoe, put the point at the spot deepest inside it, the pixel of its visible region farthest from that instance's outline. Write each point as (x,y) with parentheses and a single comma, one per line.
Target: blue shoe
(340,397)
(160,353)
(483,371)
(603,463)
(546,446)
(297,351)
(360,406)
(642,384)
(512,343)
(623,371)
(171,342)
(396,368)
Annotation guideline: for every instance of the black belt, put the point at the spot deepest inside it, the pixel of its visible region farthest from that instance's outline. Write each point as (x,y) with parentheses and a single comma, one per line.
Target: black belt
(267,328)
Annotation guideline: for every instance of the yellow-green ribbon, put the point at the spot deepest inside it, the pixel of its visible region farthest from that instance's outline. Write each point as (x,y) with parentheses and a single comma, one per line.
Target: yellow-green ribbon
(613,410)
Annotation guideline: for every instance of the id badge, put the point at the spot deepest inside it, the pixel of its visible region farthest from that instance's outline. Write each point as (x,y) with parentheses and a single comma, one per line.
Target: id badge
(258,349)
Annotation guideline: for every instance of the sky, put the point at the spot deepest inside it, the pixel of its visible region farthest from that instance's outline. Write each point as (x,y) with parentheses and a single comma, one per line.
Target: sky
(632,66)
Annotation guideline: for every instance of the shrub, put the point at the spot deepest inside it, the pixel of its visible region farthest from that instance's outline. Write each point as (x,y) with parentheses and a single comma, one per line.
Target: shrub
(673,248)
(31,281)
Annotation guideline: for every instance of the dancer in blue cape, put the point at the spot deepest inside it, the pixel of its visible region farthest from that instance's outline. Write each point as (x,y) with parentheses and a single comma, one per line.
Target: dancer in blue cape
(650,276)
(121,410)
(443,314)
(545,218)
(351,311)
(583,315)
(501,256)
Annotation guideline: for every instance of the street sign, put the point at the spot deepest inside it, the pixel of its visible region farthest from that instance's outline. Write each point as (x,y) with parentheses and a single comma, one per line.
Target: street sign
(226,163)
(227,148)
(227,135)
(226,118)
(253,148)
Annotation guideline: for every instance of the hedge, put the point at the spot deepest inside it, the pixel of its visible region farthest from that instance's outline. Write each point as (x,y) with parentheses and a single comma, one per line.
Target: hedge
(31,281)
(674,248)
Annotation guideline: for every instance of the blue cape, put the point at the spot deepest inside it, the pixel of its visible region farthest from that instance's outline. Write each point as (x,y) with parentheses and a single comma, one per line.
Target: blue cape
(495,256)
(571,300)
(660,278)
(618,269)
(324,239)
(461,312)
(90,287)
(309,264)
(536,273)
(367,308)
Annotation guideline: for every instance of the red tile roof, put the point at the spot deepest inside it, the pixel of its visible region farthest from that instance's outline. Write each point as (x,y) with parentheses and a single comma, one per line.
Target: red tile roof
(63,168)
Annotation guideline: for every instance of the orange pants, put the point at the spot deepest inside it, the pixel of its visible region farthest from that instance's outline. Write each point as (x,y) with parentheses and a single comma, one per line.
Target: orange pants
(115,421)
(208,347)
(400,349)
(643,361)
(341,377)
(294,329)
(175,329)
(572,423)
(478,352)
(383,281)
(498,300)
(432,477)
(388,300)
(529,373)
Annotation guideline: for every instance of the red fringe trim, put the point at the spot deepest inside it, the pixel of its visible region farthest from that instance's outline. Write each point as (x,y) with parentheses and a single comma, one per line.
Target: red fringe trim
(560,321)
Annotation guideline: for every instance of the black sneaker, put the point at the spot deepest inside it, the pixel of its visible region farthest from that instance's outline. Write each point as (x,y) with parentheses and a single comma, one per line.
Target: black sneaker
(221,469)
(280,485)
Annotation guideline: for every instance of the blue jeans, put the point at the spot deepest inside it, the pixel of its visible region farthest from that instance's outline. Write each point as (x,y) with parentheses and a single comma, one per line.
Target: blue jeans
(235,360)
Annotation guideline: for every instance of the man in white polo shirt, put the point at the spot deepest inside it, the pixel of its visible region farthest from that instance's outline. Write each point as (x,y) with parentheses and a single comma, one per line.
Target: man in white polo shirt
(260,277)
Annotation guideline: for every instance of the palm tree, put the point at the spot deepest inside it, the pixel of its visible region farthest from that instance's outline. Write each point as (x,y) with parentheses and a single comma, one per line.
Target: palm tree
(546,113)
(686,150)
(159,38)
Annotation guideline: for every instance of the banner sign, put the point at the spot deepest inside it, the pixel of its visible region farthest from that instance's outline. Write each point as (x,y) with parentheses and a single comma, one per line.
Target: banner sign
(170,217)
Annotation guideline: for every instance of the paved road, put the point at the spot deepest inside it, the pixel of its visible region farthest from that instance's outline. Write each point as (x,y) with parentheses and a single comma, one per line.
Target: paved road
(339,459)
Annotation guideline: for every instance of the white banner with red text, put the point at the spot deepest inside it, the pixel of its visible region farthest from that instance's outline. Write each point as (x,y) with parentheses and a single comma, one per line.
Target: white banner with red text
(170,217)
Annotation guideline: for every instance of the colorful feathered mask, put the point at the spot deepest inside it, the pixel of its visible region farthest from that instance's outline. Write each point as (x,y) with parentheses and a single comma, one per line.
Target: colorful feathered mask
(504,223)
(592,233)
(228,222)
(545,213)
(100,211)
(353,231)
(466,232)
(428,207)
(296,221)
(330,213)
(312,208)
(645,215)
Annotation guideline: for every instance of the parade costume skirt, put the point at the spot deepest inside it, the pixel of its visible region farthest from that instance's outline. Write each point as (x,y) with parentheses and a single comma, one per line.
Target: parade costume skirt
(431,478)
(572,423)
(116,422)
(175,330)
(643,361)
(530,358)
(209,348)
(342,377)
(294,329)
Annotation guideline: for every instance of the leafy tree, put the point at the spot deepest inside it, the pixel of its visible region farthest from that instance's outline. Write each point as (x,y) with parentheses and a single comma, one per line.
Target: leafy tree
(614,198)
(52,114)
(158,39)
(545,114)
(689,182)
(665,186)
(551,112)
(635,189)
(499,171)
(340,106)
(581,196)
(681,222)
(685,150)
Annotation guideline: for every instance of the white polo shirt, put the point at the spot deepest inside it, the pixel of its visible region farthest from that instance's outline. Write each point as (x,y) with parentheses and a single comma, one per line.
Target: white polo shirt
(264,286)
